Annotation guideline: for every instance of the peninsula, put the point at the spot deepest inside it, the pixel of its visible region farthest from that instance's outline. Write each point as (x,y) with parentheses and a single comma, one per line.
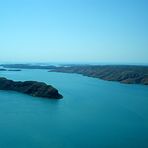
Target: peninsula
(121,73)
(33,88)
(129,74)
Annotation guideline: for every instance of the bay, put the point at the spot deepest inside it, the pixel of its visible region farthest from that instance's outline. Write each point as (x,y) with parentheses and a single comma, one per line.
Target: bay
(93,113)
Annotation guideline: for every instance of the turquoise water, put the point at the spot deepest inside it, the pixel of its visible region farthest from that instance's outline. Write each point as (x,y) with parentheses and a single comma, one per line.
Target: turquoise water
(93,114)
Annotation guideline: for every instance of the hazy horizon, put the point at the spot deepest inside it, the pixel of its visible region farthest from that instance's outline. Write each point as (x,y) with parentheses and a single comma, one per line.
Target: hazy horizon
(75,63)
(76,31)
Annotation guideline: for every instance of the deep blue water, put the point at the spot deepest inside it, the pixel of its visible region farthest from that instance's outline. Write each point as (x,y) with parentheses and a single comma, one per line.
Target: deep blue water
(93,114)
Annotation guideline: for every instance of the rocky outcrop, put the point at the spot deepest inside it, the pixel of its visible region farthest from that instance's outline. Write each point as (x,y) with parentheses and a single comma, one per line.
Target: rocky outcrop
(33,88)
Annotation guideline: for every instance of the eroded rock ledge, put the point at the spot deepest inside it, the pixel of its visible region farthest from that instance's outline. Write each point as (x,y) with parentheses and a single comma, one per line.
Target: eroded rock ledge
(33,88)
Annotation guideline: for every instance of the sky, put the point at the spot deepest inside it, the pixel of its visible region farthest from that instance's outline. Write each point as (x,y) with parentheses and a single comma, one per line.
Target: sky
(74,31)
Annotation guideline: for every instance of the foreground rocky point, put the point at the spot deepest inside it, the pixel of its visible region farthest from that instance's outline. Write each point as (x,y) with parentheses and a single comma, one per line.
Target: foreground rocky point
(33,88)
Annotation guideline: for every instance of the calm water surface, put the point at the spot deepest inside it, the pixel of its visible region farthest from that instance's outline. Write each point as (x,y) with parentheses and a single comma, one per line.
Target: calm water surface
(93,114)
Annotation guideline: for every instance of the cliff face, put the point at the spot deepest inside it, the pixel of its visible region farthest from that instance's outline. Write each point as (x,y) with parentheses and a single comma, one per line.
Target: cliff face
(33,88)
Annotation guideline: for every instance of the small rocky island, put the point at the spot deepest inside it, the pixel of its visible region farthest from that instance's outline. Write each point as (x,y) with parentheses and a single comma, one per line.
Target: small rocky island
(33,88)
(2,69)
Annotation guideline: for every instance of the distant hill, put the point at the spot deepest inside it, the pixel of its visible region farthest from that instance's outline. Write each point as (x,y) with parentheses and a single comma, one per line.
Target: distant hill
(123,74)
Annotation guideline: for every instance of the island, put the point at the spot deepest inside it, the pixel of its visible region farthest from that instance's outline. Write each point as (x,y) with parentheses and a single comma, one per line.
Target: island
(28,66)
(129,74)
(14,70)
(2,69)
(33,88)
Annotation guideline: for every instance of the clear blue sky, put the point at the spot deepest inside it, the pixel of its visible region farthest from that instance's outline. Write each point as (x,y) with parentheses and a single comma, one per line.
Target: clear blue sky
(75,31)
